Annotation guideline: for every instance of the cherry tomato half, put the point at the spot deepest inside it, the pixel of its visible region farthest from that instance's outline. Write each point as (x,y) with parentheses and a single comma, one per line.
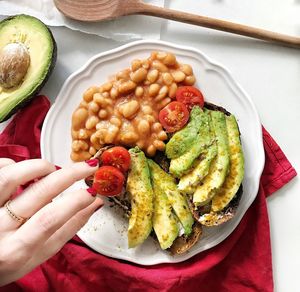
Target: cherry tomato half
(108,181)
(190,96)
(174,116)
(118,157)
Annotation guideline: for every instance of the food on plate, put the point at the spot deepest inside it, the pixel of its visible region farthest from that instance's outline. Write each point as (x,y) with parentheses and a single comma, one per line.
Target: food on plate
(125,110)
(27,57)
(185,166)
(174,116)
(140,193)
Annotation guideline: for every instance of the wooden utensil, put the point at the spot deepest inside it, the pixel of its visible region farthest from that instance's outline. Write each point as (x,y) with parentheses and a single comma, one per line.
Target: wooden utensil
(100,10)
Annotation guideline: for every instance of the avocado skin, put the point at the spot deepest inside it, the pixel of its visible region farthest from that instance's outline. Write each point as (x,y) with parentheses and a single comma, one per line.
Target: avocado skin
(50,69)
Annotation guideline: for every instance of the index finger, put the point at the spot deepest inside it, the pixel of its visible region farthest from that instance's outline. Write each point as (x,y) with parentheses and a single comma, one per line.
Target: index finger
(42,192)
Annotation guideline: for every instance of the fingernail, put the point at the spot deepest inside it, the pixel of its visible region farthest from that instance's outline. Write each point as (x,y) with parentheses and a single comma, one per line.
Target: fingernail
(92,191)
(99,207)
(57,167)
(92,162)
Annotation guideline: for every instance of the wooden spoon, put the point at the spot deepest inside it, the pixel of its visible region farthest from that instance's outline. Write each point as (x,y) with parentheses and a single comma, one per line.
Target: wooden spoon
(100,10)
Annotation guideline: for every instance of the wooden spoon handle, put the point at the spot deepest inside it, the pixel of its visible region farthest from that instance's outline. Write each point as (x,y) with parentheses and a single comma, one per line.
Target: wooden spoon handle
(286,40)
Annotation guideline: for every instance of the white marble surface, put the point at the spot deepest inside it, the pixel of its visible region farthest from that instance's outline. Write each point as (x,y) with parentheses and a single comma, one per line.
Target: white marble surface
(269,73)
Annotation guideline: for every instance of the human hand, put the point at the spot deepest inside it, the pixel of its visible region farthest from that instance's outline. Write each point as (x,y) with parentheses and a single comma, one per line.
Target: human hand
(50,224)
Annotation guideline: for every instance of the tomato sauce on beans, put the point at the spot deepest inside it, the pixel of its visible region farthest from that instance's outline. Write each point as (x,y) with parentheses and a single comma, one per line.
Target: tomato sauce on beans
(124,110)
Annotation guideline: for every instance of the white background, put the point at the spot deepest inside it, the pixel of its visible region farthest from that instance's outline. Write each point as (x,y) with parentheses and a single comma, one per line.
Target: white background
(269,73)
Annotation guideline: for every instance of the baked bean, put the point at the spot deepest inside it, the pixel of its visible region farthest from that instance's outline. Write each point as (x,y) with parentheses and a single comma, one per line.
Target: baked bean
(83,134)
(152,75)
(146,109)
(162,135)
(115,121)
(159,145)
(186,69)
(136,64)
(114,93)
(88,95)
(159,66)
(102,114)
(84,104)
(127,87)
(123,74)
(161,55)
(162,93)
(106,86)
(190,80)
(79,145)
(143,127)
(129,108)
(79,117)
(160,79)
(156,127)
(100,99)
(146,64)
(153,89)
(81,156)
(178,76)
(92,150)
(139,91)
(94,107)
(172,90)
(139,75)
(95,138)
(74,134)
(163,103)
(151,150)
(169,60)
(140,144)
(105,94)
(129,138)
(150,119)
(91,122)
(167,78)
(112,132)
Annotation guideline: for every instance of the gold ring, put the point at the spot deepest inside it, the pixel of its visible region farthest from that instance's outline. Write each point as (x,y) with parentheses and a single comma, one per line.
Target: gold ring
(14,216)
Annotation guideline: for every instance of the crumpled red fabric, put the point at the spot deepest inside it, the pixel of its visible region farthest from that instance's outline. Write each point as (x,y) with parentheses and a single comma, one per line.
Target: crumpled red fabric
(242,262)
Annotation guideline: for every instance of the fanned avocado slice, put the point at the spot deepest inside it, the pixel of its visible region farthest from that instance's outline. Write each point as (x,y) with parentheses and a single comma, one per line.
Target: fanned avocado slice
(183,140)
(189,181)
(177,200)
(182,164)
(220,165)
(165,223)
(141,196)
(236,169)
(27,57)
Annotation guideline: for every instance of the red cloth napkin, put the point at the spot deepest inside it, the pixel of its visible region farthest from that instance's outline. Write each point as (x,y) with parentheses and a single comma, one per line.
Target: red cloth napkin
(242,262)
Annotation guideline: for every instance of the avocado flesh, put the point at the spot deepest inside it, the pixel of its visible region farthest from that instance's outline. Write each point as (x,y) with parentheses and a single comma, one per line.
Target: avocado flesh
(189,181)
(42,49)
(236,170)
(220,165)
(140,192)
(177,200)
(182,164)
(183,140)
(165,223)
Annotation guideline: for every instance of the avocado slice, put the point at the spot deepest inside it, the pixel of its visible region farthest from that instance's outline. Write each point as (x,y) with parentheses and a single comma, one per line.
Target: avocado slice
(236,170)
(140,192)
(220,165)
(177,199)
(183,140)
(189,181)
(165,224)
(182,164)
(33,36)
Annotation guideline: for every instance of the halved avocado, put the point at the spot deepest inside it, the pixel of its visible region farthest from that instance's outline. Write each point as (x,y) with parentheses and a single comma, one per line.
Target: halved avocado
(35,40)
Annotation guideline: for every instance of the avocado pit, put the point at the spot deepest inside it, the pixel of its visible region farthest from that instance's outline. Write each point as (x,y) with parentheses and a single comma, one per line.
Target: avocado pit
(14,64)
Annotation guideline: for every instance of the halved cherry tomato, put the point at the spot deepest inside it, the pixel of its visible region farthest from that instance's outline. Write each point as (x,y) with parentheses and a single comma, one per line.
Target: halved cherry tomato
(108,181)
(174,116)
(118,157)
(190,96)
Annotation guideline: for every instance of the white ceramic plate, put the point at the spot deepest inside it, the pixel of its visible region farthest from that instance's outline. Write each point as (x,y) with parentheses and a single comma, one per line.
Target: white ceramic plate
(106,230)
